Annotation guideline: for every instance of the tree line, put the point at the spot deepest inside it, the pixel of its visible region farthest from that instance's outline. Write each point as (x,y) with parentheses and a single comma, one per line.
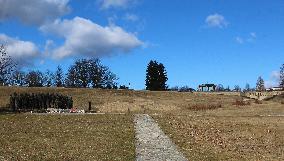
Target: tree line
(260,84)
(91,73)
(82,73)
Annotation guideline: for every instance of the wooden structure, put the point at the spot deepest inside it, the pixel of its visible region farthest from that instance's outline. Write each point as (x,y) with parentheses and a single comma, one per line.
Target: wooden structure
(207,88)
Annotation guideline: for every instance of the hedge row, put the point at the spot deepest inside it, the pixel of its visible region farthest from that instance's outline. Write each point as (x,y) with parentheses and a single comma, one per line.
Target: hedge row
(39,101)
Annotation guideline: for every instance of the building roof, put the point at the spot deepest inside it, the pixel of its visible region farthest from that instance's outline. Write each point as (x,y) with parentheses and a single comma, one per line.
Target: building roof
(207,85)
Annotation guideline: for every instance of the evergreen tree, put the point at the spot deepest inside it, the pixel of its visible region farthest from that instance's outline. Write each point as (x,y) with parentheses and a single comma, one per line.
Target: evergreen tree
(247,87)
(70,80)
(281,83)
(59,77)
(156,76)
(82,73)
(260,84)
(35,79)
(237,88)
(48,78)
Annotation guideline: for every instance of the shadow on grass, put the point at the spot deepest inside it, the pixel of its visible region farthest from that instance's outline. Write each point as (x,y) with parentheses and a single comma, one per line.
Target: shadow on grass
(6,111)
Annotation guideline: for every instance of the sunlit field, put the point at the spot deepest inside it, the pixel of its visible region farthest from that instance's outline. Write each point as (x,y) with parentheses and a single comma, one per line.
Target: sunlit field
(204,126)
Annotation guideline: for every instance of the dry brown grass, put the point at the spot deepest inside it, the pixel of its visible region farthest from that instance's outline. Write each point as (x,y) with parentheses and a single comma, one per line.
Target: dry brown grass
(226,138)
(61,137)
(206,126)
(200,107)
(258,102)
(241,102)
(135,101)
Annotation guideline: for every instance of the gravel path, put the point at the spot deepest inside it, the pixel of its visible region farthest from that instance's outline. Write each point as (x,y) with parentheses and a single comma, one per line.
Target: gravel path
(152,143)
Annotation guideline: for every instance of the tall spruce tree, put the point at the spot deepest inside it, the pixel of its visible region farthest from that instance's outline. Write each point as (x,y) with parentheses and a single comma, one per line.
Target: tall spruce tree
(59,77)
(281,83)
(260,84)
(71,80)
(247,88)
(156,76)
(48,78)
(82,72)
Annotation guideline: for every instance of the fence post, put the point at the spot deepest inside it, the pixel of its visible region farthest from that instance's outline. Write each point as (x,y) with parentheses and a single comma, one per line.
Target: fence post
(90,106)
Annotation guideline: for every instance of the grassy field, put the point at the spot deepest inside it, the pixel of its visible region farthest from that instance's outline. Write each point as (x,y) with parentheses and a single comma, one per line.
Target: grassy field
(205,126)
(62,137)
(124,100)
(252,132)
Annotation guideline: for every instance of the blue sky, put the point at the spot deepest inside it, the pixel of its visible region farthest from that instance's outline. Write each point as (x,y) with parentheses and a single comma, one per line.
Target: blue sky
(199,41)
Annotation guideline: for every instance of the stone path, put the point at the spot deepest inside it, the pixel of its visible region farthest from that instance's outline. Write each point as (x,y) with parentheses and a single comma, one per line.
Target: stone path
(152,143)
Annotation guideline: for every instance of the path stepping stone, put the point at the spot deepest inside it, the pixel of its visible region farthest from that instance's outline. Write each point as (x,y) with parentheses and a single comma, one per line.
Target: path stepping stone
(152,143)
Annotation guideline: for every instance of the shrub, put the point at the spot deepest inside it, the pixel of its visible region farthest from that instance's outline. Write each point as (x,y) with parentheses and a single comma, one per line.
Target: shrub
(257,102)
(241,103)
(199,107)
(40,101)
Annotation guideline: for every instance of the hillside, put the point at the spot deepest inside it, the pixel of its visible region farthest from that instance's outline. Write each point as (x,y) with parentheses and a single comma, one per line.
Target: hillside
(279,98)
(204,126)
(122,100)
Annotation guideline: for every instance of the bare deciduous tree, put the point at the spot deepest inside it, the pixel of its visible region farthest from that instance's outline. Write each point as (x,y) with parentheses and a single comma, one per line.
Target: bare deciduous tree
(6,66)
(90,72)
(281,83)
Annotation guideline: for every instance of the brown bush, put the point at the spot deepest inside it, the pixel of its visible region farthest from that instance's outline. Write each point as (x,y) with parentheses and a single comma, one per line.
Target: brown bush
(198,107)
(240,103)
(258,102)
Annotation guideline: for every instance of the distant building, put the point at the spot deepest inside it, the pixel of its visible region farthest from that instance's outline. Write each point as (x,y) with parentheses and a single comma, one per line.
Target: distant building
(207,88)
(275,89)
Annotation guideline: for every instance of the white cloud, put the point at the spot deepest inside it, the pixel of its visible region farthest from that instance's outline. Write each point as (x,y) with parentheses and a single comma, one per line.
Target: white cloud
(106,4)
(216,20)
(253,34)
(85,38)
(33,11)
(273,80)
(249,39)
(252,37)
(239,40)
(49,45)
(131,17)
(23,52)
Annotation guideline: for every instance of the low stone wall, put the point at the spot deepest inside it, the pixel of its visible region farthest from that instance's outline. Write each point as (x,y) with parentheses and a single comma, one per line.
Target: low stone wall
(219,93)
(261,95)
